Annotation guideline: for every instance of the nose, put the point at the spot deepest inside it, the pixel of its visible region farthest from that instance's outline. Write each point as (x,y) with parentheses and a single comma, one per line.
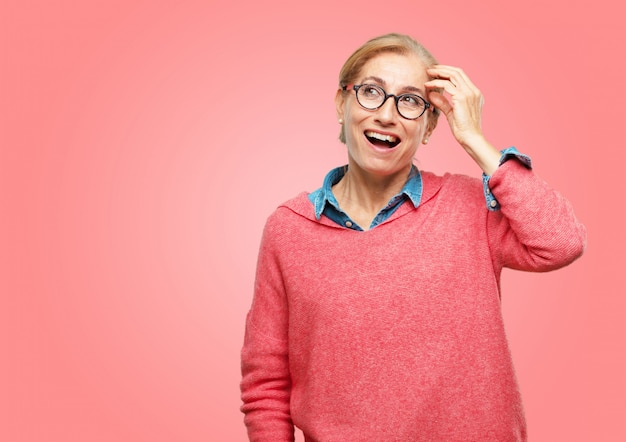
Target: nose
(387,112)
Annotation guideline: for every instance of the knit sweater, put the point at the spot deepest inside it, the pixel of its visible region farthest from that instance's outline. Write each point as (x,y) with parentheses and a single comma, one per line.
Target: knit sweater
(396,333)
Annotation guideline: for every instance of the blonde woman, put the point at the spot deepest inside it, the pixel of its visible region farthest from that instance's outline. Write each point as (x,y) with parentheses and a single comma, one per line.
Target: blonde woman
(376,312)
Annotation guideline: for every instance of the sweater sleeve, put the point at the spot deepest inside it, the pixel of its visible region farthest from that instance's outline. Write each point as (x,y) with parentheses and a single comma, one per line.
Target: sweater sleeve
(266,382)
(535,229)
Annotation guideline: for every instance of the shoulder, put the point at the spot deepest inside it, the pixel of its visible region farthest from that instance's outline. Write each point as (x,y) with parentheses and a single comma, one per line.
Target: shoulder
(291,212)
(300,204)
(290,227)
(451,187)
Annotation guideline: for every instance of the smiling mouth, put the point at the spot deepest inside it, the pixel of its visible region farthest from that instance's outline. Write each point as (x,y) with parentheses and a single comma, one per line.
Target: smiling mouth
(380,140)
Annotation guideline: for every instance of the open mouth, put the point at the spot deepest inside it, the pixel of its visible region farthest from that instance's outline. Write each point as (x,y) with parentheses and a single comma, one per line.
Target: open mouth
(380,140)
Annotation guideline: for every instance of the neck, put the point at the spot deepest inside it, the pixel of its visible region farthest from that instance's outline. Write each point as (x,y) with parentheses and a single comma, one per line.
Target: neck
(362,195)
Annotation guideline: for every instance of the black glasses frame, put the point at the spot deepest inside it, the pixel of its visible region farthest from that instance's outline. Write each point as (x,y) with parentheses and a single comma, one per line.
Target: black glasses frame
(356,87)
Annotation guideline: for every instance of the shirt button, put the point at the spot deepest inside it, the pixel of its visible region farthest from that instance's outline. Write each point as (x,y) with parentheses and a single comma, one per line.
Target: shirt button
(348,224)
(493,203)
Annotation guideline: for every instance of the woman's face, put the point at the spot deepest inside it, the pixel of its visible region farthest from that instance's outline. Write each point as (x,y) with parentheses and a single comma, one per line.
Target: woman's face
(364,129)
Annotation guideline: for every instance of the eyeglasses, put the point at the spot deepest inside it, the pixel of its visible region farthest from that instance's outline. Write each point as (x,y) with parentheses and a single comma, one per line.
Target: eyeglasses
(372,97)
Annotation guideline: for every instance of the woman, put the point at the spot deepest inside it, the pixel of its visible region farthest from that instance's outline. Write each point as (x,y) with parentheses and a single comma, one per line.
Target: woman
(376,313)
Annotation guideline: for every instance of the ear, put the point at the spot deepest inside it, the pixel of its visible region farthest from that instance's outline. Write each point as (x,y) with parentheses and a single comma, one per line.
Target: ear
(339,102)
(431,124)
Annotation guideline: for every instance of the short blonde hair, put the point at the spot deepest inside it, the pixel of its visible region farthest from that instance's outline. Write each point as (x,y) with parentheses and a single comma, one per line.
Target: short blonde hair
(395,43)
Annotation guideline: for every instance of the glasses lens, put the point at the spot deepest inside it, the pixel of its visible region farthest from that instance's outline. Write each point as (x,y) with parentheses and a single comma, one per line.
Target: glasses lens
(411,106)
(370,96)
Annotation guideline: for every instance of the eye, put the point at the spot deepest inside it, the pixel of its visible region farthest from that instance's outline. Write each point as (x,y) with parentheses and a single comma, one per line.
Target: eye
(371,91)
(411,101)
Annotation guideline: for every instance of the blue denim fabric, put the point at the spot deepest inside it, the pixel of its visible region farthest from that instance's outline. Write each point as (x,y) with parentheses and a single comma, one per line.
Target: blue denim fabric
(326,204)
(507,154)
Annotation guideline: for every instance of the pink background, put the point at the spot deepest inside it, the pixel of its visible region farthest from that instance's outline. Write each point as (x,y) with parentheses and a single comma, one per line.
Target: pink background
(143,145)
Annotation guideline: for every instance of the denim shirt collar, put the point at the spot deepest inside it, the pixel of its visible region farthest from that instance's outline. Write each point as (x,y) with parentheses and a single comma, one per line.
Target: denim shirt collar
(412,190)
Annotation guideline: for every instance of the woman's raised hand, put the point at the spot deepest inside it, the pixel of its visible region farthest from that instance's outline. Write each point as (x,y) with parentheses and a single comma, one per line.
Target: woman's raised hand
(462,102)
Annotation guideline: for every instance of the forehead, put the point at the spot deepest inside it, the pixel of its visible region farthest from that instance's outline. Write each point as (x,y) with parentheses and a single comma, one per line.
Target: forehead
(396,69)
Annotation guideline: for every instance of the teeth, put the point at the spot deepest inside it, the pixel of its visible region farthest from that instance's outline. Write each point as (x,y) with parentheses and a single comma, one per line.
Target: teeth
(381,137)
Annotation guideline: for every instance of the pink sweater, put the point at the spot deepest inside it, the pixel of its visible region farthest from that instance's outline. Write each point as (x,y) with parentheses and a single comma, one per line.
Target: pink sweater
(396,333)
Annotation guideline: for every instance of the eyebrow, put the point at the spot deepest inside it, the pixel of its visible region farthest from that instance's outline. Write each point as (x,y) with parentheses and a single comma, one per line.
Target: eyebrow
(383,83)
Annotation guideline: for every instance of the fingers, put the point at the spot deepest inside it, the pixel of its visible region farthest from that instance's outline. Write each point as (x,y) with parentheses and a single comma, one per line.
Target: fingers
(440,102)
(451,91)
(454,82)
(447,85)
(456,76)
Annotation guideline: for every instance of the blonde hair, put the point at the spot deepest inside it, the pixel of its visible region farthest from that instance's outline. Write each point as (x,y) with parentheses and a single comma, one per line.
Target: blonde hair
(395,43)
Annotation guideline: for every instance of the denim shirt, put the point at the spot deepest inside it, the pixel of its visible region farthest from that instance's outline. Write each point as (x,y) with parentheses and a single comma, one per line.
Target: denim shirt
(325,203)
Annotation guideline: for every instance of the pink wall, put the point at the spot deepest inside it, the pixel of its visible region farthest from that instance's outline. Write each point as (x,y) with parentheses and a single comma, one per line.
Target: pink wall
(131,133)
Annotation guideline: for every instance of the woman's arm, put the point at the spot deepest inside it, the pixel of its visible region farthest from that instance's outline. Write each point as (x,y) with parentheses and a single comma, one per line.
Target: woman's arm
(535,227)
(266,383)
